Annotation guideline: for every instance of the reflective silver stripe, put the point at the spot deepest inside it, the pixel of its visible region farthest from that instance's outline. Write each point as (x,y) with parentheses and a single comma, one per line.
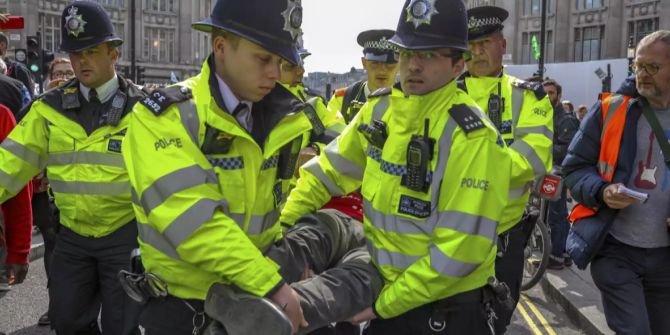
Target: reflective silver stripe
(444,149)
(515,193)
(152,237)
(337,128)
(331,134)
(605,168)
(174,182)
(314,168)
(86,157)
(459,221)
(533,158)
(10,183)
(189,221)
(391,258)
(260,223)
(238,218)
(21,151)
(517,104)
(448,266)
(395,223)
(380,108)
(615,102)
(468,224)
(134,197)
(90,188)
(541,130)
(342,165)
(189,117)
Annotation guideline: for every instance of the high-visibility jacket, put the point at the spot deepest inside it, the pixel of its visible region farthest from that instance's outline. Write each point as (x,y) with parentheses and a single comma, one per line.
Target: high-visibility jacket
(207,195)
(341,101)
(427,245)
(614,109)
(86,173)
(526,126)
(327,125)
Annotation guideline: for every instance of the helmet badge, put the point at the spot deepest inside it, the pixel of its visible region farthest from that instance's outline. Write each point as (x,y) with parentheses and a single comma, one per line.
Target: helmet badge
(74,24)
(293,18)
(421,12)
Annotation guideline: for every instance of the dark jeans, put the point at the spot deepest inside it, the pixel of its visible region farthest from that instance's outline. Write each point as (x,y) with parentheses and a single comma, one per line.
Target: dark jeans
(509,269)
(459,318)
(635,287)
(43,218)
(84,279)
(557,218)
(172,316)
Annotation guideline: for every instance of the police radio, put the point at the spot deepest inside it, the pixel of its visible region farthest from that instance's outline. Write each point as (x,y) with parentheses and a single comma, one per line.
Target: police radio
(495,108)
(375,132)
(288,158)
(419,153)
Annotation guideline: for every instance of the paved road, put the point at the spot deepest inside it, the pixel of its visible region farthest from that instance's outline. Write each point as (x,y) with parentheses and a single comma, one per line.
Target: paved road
(22,306)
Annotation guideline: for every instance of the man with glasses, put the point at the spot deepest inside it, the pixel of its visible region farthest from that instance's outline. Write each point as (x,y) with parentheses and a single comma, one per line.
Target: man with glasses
(380,61)
(524,117)
(626,242)
(423,156)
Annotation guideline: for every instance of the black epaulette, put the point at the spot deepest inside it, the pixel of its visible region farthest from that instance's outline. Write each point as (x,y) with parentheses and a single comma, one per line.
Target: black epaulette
(380,92)
(531,86)
(466,117)
(160,100)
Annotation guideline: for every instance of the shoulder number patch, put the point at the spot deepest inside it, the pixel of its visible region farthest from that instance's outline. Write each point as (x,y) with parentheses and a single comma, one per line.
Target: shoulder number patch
(466,118)
(159,100)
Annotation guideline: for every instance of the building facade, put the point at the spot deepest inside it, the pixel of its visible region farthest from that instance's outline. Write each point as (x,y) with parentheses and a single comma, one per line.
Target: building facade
(165,44)
(578,30)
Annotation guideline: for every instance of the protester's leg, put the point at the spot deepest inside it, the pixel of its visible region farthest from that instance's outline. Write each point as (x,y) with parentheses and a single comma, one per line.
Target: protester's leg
(340,292)
(509,269)
(617,273)
(4,280)
(558,222)
(316,242)
(120,314)
(73,287)
(656,282)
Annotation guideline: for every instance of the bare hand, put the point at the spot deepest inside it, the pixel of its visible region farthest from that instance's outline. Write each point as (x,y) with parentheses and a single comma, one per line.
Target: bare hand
(16,273)
(616,200)
(362,316)
(288,299)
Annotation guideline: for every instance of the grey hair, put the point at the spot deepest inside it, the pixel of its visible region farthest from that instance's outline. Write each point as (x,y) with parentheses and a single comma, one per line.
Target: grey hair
(3,67)
(657,36)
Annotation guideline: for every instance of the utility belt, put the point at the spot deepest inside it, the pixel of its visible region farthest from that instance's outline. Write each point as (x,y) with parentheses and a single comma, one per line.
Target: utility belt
(486,295)
(142,286)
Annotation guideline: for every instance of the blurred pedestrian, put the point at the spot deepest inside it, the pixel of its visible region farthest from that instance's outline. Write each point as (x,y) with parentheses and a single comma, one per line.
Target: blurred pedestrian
(581,112)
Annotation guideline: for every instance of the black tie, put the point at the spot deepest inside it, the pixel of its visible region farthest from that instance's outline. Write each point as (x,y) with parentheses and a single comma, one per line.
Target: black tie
(93,96)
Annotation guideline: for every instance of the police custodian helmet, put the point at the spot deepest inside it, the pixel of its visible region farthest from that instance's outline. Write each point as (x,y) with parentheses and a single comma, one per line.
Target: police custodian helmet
(272,24)
(432,24)
(86,24)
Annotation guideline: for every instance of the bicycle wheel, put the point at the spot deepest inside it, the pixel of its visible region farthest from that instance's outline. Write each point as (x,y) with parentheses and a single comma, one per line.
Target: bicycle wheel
(536,255)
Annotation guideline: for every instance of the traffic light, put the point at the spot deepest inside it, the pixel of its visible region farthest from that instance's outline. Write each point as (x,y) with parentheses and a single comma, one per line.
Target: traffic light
(47,58)
(33,55)
(140,74)
(20,55)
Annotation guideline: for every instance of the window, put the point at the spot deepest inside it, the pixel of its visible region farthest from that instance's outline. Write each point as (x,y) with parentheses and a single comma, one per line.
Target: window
(159,45)
(120,32)
(527,47)
(50,32)
(588,4)
(588,43)
(641,28)
(160,5)
(534,7)
(112,3)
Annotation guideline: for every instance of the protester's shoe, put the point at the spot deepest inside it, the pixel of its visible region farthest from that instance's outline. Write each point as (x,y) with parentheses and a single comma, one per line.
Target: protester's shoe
(567,261)
(241,313)
(44,320)
(555,265)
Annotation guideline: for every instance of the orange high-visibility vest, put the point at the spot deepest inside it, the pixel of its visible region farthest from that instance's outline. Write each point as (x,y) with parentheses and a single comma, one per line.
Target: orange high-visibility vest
(610,142)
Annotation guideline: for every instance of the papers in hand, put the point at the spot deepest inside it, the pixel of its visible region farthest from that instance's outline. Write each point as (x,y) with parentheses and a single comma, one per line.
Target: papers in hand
(642,197)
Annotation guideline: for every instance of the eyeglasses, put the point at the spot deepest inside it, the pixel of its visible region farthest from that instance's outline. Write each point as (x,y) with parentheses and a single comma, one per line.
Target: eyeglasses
(62,74)
(426,55)
(651,68)
(375,65)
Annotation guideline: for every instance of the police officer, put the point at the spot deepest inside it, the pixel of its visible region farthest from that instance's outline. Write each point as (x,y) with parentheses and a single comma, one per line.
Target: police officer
(227,141)
(380,61)
(523,115)
(423,157)
(75,131)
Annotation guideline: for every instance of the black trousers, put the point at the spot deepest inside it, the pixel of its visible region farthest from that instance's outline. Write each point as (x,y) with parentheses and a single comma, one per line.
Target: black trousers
(45,220)
(635,287)
(84,279)
(173,315)
(509,269)
(466,317)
